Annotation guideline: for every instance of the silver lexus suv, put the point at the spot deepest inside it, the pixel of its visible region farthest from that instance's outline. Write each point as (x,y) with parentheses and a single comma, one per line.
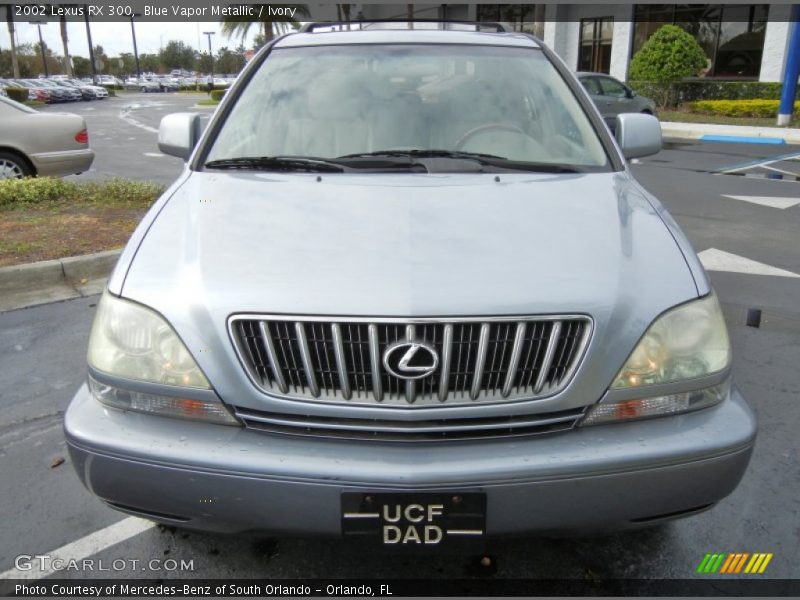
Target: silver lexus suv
(407,289)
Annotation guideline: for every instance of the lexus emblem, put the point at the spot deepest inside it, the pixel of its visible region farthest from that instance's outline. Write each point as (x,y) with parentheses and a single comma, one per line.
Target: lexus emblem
(410,360)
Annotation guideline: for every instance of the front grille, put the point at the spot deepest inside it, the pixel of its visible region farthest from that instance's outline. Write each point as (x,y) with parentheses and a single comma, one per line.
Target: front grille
(409,431)
(479,360)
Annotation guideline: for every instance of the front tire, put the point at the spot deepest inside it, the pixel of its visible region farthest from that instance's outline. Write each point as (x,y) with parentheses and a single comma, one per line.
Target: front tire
(13,166)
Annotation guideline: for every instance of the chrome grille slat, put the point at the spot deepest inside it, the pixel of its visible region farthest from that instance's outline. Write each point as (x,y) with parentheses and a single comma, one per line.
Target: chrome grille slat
(305,356)
(341,367)
(480,360)
(555,333)
(444,378)
(516,351)
(375,363)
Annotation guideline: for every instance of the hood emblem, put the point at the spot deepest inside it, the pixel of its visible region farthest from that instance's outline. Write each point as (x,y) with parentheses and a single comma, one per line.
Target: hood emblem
(410,360)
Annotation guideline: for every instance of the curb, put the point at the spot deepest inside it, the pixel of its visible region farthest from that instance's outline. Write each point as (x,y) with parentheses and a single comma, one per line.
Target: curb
(734,133)
(53,280)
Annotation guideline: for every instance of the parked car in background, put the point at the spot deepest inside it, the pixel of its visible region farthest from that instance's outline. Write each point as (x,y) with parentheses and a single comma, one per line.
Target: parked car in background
(167,84)
(148,85)
(36,143)
(85,92)
(67,92)
(612,97)
(98,90)
(407,290)
(34,94)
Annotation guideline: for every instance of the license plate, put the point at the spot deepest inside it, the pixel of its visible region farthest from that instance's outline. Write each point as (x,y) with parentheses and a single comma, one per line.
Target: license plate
(415,521)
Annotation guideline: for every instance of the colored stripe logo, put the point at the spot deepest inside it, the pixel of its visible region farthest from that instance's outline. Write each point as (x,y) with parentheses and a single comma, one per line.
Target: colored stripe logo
(731,563)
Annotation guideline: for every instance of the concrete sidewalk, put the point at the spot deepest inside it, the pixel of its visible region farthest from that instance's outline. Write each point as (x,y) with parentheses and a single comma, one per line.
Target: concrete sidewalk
(53,280)
(736,133)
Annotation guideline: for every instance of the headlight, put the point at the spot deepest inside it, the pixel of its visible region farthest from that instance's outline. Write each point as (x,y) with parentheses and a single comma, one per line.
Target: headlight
(684,343)
(133,342)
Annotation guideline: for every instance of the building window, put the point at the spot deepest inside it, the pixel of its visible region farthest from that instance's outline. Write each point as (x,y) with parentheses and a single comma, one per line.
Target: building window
(520,16)
(594,53)
(732,36)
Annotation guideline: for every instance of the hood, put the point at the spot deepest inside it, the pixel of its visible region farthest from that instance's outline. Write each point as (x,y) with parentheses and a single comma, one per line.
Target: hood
(403,245)
(409,245)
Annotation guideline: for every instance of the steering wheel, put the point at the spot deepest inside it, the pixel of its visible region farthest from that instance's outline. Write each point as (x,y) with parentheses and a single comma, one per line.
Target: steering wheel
(461,142)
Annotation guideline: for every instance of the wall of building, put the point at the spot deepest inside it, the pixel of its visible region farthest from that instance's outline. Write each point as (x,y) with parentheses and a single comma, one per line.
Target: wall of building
(776,43)
(562,32)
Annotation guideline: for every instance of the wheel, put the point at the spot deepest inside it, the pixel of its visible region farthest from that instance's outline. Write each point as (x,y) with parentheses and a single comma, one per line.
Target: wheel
(462,141)
(647,111)
(13,166)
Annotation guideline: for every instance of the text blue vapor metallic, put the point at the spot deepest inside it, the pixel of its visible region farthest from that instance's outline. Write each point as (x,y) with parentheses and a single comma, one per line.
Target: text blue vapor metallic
(408,289)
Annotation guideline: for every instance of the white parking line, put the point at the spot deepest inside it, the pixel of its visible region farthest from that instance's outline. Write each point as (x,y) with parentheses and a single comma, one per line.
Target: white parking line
(717,260)
(154,154)
(771,201)
(125,115)
(84,547)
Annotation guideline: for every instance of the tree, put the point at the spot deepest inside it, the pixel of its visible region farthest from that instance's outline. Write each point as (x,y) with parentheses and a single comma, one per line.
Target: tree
(270,26)
(667,57)
(100,58)
(149,63)
(82,67)
(176,55)
(65,43)
(14,59)
(228,62)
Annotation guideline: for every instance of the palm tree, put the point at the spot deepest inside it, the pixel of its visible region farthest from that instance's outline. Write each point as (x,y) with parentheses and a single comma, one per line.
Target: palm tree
(269,25)
(65,43)
(14,60)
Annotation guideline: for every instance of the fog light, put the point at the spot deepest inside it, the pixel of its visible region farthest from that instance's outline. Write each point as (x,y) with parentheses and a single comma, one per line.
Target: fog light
(157,404)
(656,406)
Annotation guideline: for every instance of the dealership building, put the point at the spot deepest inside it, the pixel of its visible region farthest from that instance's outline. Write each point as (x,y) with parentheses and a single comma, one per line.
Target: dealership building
(741,41)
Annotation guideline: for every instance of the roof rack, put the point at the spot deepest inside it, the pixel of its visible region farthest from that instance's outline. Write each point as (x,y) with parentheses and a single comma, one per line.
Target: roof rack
(409,23)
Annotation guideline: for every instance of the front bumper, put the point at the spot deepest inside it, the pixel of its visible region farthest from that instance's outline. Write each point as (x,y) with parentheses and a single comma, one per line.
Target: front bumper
(231,479)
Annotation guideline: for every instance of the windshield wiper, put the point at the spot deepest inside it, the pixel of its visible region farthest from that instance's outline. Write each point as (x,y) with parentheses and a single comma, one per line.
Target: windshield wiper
(424,154)
(479,157)
(276,163)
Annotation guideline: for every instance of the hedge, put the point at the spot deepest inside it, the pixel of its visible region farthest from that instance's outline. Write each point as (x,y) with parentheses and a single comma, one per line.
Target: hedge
(690,90)
(41,190)
(18,94)
(738,108)
(218,94)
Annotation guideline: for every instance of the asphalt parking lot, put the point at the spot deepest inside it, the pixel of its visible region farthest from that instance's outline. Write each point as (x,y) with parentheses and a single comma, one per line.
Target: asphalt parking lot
(745,226)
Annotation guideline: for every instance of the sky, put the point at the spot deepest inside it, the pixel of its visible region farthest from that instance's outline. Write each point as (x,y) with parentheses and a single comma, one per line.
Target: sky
(116,37)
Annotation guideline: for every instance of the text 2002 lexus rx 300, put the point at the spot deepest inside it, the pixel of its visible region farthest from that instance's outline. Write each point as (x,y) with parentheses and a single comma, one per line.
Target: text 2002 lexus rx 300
(407,289)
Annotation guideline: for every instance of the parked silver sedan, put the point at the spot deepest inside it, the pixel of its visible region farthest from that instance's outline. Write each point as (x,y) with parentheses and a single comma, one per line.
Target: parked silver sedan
(612,97)
(35,143)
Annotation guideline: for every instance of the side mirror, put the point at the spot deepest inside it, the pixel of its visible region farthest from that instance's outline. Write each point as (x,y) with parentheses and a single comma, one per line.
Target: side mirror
(638,134)
(178,133)
(630,93)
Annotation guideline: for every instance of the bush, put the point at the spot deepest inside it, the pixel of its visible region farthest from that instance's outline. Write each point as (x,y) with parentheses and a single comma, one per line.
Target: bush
(668,56)
(690,90)
(110,89)
(18,94)
(738,108)
(218,94)
(40,190)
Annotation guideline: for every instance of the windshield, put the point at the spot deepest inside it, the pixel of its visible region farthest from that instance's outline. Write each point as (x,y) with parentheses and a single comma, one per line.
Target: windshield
(329,102)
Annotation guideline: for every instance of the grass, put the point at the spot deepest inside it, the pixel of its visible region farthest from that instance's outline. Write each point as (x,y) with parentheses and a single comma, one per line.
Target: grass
(684,116)
(208,102)
(45,218)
